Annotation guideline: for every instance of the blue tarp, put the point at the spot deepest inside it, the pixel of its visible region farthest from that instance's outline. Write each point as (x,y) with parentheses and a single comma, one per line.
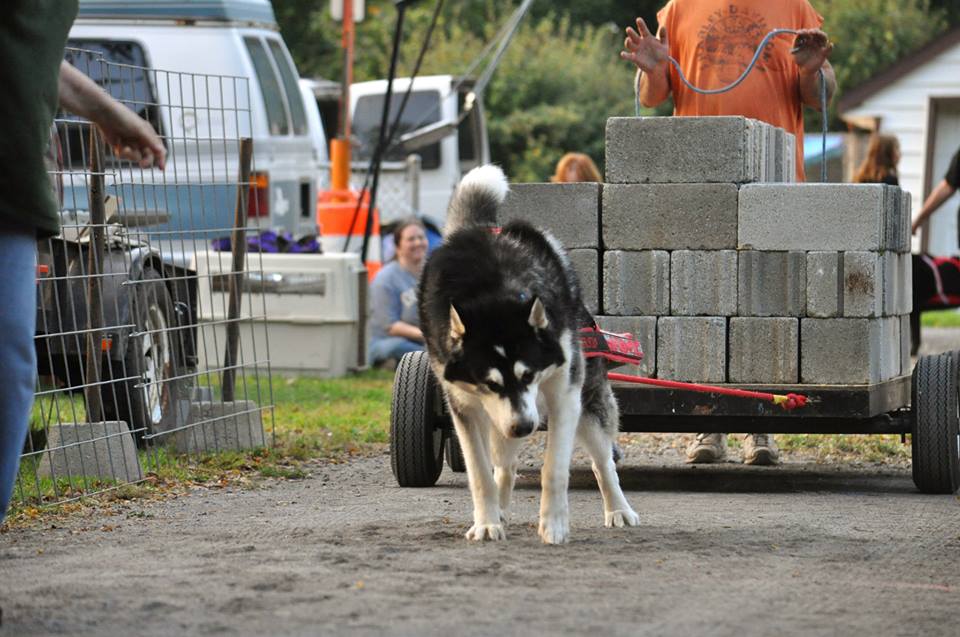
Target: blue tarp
(226,10)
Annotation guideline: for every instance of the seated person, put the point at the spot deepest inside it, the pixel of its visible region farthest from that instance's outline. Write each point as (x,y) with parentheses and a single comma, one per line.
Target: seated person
(395,323)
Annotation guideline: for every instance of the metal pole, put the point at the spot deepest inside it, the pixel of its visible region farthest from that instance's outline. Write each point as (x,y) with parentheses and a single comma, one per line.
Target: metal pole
(413,179)
(94,354)
(238,246)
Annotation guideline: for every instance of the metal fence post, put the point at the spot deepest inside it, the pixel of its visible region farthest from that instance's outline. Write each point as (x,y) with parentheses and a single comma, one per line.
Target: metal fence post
(238,246)
(94,341)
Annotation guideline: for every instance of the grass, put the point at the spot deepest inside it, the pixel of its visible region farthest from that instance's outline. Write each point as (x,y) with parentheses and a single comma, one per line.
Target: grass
(940,318)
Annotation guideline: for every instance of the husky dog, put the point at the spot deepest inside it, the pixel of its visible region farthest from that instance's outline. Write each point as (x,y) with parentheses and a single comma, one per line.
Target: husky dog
(500,314)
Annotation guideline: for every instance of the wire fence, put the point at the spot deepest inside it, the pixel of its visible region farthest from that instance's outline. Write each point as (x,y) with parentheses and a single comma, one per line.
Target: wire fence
(150,342)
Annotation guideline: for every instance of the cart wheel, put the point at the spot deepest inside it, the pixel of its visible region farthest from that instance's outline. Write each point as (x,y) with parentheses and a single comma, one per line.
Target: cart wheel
(416,442)
(936,424)
(454,453)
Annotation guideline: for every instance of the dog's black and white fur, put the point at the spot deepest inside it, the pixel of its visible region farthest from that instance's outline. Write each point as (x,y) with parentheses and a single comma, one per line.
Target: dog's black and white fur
(500,315)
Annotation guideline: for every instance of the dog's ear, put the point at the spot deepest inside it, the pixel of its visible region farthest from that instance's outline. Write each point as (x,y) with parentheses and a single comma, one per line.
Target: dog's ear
(457,329)
(538,315)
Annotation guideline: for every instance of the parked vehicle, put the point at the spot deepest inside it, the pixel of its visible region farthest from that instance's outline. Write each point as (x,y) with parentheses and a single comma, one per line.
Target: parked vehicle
(207,51)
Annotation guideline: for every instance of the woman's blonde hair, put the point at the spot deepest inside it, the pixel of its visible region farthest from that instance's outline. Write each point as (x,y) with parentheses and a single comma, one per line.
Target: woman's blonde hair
(586,170)
(881,160)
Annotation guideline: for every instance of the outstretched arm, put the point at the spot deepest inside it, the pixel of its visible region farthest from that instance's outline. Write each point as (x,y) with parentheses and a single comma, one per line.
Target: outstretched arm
(811,48)
(130,136)
(941,193)
(649,54)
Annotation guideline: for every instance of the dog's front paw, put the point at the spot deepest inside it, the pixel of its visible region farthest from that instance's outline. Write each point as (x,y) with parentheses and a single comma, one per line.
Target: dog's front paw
(621,518)
(481,532)
(554,530)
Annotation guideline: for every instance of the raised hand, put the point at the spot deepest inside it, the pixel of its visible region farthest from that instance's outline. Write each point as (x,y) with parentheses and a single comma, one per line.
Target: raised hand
(649,53)
(811,48)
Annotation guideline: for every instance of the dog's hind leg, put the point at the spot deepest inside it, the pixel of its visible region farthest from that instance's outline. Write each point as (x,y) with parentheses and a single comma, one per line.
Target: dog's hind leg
(487,524)
(596,441)
(504,451)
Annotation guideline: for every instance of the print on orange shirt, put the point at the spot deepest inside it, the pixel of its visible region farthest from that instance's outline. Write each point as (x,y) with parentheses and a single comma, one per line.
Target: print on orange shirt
(729,39)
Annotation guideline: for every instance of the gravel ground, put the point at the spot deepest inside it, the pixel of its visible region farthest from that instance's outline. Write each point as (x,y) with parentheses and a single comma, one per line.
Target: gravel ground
(725,550)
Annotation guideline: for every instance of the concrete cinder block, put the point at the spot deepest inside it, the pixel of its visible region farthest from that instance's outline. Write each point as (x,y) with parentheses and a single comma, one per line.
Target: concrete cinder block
(645,330)
(812,217)
(703,283)
(669,216)
(636,283)
(586,262)
(889,347)
(863,284)
(842,351)
(905,343)
(692,349)
(790,158)
(905,275)
(221,426)
(824,273)
(642,150)
(570,211)
(772,283)
(764,350)
(91,449)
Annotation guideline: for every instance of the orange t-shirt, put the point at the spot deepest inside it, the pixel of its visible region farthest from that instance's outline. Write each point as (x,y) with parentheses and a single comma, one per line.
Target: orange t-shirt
(714,41)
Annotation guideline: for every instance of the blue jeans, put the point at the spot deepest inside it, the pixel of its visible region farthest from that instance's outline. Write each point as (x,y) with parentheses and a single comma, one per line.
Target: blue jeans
(391,347)
(18,364)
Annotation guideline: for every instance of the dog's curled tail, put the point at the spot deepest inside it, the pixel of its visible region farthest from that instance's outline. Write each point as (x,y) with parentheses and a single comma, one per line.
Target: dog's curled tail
(477,198)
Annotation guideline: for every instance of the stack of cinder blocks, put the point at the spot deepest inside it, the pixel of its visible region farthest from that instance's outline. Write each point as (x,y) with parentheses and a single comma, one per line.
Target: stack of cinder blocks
(724,270)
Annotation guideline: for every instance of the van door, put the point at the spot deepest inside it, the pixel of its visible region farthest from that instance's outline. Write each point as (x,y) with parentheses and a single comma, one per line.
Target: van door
(285,159)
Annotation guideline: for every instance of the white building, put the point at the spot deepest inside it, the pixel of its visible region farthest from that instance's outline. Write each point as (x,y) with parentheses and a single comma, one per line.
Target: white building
(918,100)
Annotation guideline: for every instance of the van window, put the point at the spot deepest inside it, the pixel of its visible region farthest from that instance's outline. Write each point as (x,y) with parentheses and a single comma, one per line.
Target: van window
(466,132)
(423,108)
(294,99)
(126,78)
(269,86)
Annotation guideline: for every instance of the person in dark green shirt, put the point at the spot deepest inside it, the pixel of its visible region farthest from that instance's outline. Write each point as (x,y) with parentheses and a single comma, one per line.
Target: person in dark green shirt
(35,80)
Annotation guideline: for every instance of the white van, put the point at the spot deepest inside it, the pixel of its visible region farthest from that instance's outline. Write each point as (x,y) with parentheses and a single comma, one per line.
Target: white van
(205,45)
(437,100)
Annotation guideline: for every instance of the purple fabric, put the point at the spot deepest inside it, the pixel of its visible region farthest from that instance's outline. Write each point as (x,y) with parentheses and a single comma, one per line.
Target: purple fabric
(272,242)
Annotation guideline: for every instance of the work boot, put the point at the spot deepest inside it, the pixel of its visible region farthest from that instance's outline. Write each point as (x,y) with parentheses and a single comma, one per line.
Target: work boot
(760,449)
(707,448)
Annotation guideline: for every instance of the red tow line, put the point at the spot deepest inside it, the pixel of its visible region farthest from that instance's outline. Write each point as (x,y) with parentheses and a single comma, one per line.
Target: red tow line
(788,402)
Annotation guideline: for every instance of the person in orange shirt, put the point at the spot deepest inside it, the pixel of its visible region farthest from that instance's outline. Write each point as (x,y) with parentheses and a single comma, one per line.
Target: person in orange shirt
(714,41)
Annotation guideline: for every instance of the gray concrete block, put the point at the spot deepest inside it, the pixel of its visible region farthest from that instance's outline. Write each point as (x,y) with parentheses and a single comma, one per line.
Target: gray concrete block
(772,283)
(644,328)
(221,426)
(91,449)
(843,351)
(669,216)
(824,273)
(703,283)
(863,284)
(905,364)
(764,350)
(812,217)
(636,283)
(905,276)
(642,150)
(586,262)
(790,158)
(889,347)
(692,349)
(570,211)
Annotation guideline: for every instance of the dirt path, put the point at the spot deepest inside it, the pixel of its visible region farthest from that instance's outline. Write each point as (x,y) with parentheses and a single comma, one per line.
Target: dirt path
(726,549)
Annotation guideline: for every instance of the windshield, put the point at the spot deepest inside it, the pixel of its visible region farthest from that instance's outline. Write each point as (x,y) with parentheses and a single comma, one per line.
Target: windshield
(422,108)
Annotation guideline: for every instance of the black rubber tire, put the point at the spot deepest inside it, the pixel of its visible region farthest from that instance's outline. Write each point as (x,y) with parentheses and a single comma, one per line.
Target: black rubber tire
(935,444)
(416,441)
(124,400)
(454,453)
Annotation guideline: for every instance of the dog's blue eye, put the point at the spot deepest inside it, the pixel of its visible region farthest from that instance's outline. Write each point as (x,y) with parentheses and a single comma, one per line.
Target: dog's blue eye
(526,378)
(494,387)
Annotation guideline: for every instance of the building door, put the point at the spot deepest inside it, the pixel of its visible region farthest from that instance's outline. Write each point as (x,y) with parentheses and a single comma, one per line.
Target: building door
(943,140)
